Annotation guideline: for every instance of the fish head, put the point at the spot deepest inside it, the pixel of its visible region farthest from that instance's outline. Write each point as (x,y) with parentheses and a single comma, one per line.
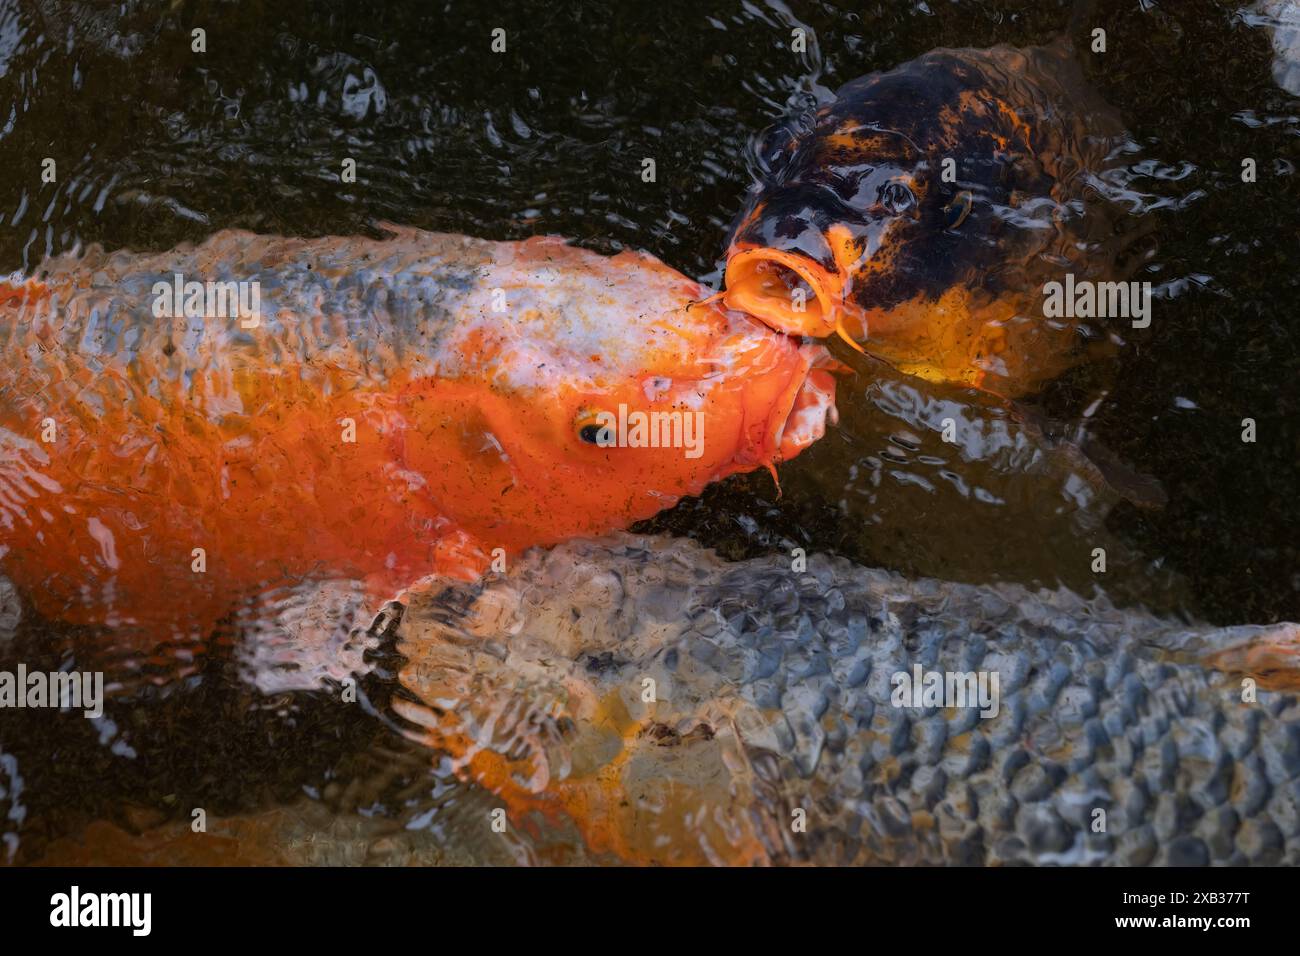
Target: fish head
(900,215)
(607,391)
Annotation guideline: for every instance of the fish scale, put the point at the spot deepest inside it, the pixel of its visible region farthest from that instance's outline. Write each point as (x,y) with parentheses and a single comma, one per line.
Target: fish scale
(1100,708)
(335,302)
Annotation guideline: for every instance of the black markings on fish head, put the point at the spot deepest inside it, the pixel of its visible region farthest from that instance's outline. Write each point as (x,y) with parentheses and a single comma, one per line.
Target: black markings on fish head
(856,190)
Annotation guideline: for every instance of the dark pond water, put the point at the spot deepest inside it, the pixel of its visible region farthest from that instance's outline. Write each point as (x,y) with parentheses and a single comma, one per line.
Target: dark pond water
(156,145)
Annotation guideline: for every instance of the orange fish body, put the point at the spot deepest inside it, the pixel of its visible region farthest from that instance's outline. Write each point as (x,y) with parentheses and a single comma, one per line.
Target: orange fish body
(390,410)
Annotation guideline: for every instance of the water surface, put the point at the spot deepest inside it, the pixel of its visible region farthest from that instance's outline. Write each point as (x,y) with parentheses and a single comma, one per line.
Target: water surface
(156,145)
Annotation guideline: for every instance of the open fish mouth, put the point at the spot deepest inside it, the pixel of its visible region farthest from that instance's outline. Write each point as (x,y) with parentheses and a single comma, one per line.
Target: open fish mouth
(812,408)
(790,293)
(784,290)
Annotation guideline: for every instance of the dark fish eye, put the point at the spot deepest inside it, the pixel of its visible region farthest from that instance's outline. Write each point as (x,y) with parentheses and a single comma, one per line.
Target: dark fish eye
(590,429)
(955,212)
(774,140)
(897,198)
(773,149)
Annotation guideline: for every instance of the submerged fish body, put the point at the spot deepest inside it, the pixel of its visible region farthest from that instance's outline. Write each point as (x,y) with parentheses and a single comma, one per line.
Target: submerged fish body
(677,708)
(396,408)
(923,210)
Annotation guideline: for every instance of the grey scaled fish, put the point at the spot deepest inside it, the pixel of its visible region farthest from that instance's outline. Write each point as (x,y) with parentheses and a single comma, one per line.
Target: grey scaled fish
(675,708)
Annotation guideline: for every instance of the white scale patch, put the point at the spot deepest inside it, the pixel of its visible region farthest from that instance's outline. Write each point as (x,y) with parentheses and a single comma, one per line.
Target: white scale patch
(583,327)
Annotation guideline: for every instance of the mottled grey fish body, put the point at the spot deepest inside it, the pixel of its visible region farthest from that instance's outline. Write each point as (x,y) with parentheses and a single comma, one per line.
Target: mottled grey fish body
(1112,741)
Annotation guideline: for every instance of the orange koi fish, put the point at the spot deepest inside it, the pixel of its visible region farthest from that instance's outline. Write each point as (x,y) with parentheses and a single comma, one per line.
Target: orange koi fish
(181,431)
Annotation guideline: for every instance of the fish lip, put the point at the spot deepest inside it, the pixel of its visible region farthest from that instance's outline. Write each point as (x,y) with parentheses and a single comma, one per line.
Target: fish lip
(749,277)
(802,419)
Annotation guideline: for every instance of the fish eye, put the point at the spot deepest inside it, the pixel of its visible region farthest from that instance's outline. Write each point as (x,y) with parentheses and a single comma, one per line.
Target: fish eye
(955,212)
(773,149)
(588,427)
(897,198)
